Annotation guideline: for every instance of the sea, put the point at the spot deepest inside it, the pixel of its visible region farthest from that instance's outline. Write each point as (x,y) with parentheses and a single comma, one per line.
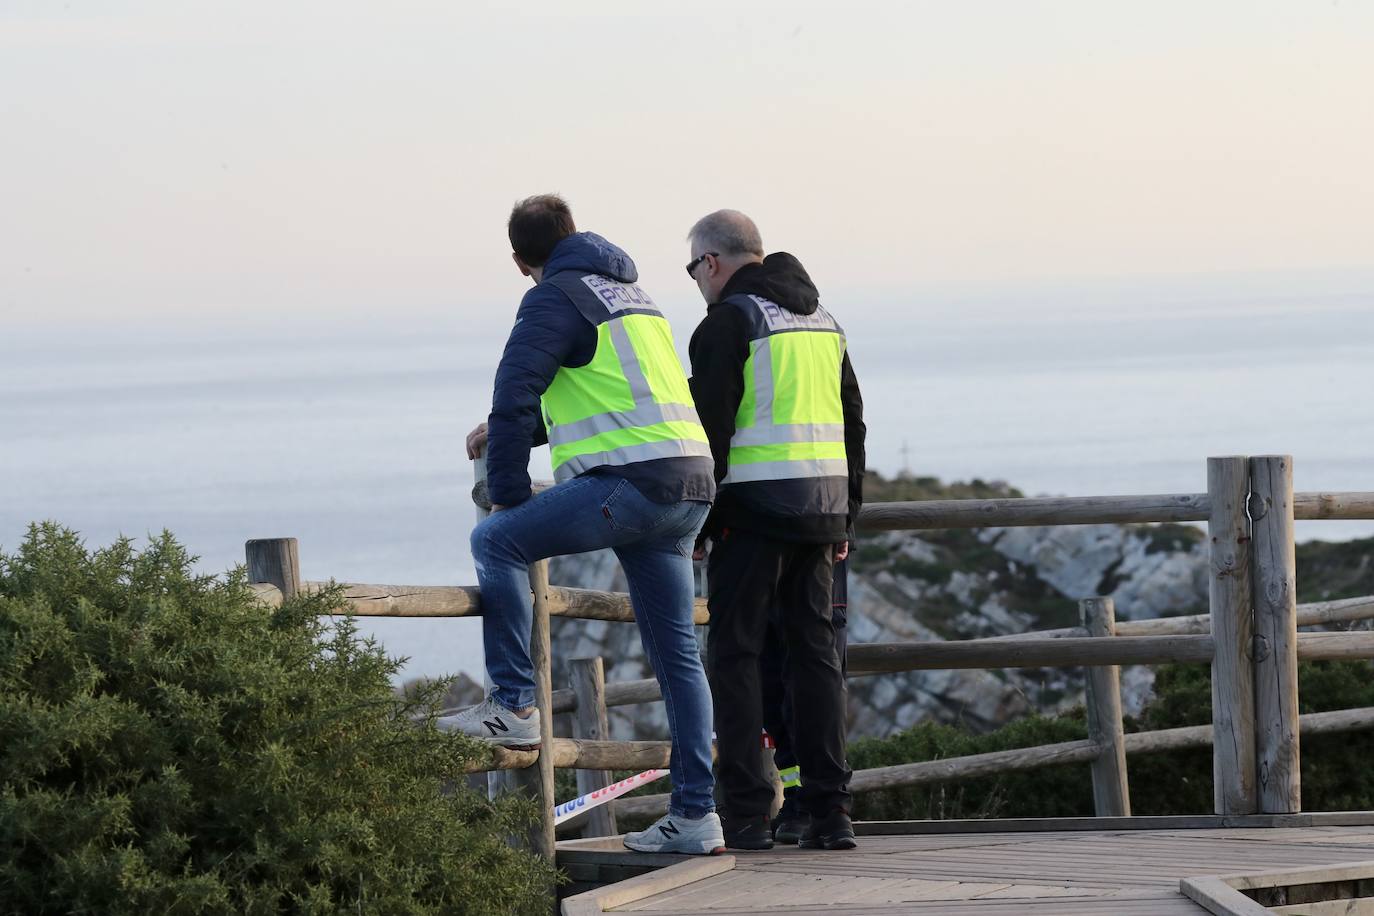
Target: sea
(346,432)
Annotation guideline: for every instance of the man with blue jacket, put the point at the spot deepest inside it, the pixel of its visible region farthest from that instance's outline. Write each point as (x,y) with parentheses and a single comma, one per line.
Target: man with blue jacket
(590,367)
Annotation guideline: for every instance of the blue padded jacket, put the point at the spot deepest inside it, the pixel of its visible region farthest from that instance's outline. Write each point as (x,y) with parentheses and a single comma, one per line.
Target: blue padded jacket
(550,332)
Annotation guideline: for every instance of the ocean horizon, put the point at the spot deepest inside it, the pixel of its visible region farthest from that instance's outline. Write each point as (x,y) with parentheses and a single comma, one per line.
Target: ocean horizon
(350,437)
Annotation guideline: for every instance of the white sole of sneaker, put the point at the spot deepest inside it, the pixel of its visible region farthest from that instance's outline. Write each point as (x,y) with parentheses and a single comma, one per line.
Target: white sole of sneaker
(702,849)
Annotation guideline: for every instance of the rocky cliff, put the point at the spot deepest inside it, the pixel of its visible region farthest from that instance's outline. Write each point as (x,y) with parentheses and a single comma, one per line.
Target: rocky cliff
(912,586)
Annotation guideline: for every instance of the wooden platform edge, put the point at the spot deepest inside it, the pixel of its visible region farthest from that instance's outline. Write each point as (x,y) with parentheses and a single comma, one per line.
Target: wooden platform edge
(1220,898)
(1307,874)
(1146,822)
(656,882)
(1221,894)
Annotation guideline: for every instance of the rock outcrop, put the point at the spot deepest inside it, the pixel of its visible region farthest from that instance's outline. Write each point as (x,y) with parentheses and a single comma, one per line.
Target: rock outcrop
(915,586)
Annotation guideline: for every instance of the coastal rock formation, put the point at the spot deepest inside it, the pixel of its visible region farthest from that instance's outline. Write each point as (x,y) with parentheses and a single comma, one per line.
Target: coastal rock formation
(914,586)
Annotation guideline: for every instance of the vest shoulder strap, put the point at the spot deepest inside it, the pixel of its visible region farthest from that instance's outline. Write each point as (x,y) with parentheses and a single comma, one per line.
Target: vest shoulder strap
(601,299)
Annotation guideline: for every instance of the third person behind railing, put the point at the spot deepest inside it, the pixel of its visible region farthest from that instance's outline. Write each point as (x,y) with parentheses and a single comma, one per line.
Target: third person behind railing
(590,367)
(781,406)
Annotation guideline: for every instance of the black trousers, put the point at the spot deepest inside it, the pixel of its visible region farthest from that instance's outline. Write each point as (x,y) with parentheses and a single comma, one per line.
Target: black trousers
(777,704)
(752,581)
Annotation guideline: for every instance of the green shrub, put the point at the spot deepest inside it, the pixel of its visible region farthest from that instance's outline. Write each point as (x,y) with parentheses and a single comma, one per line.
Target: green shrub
(1335,768)
(1057,791)
(1336,775)
(169,746)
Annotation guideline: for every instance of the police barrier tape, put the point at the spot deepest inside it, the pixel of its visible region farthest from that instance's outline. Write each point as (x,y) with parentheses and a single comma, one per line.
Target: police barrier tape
(600,796)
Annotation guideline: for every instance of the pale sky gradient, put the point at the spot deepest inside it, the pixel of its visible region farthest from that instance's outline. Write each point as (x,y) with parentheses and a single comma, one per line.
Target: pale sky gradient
(204,162)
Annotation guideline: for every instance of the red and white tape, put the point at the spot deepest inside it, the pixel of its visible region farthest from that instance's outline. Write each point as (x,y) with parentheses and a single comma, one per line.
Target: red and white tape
(599,797)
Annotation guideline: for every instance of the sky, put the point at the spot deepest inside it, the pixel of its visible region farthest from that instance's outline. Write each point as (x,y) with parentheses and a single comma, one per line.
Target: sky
(254,276)
(267,164)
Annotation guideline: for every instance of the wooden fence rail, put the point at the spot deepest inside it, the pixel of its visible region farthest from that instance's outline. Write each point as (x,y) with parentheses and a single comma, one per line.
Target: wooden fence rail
(1249,636)
(1008,761)
(1350,610)
(1020,512)
(589,604)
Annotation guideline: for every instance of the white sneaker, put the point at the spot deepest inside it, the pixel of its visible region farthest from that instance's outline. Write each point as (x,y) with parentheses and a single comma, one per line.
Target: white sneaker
(699,837)
(492,722)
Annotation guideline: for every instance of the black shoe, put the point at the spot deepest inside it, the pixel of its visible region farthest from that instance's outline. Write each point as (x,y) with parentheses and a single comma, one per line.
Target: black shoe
(834,831)
(748,833)
(790,823)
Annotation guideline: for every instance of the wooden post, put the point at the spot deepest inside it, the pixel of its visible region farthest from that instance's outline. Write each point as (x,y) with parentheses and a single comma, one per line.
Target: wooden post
(539,776)
(588,677)
(1233,679)
(276,561)
(1111,792)
(1274,574)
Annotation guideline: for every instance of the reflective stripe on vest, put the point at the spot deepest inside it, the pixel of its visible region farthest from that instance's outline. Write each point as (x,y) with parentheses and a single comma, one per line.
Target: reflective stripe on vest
(631,402)
(790,423)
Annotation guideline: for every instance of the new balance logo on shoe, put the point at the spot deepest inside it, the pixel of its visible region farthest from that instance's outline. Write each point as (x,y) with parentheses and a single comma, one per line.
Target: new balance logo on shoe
(699,836)
(493,725)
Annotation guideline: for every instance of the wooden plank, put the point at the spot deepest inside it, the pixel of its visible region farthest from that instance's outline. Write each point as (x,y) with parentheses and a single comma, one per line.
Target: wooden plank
(408,600)
(588,682)
(618,693)
(604,898)
(1317,874)
(907,774)
(1086,510)
(1220,898)
(589,604)
(1363,906)
(712,894)
(1318,613)
(1335,646)
(275,561)
(1229,602)
(581,753)
(539,777)
(1002,513)
(1274,575)
(1111,792)
(1173,905)
(882,658)
(1096,825)
(1333,505)
(1125,872)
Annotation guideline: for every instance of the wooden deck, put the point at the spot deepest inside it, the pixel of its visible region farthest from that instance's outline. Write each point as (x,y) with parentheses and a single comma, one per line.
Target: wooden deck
(1043,873)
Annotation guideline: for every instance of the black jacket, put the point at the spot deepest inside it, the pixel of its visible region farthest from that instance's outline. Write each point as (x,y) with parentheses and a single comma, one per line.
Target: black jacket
(719,348)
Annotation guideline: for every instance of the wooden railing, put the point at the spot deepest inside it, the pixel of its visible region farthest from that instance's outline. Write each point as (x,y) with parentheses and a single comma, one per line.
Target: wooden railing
(1249,636)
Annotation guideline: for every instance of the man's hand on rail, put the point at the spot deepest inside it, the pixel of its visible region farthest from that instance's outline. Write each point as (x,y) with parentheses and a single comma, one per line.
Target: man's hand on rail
(841,551)
(477,443)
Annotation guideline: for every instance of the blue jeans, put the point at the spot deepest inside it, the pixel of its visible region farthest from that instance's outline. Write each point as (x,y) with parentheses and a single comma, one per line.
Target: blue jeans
(654,543)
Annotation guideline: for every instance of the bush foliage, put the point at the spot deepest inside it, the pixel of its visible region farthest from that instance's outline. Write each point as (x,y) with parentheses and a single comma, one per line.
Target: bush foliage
(1336,775)
(169,746)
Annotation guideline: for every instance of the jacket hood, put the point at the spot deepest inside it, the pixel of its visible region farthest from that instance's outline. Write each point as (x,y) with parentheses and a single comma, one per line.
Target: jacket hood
(781,279)
(588,252)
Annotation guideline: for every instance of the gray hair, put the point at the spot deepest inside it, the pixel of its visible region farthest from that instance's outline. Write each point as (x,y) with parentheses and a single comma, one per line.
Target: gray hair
(728,232)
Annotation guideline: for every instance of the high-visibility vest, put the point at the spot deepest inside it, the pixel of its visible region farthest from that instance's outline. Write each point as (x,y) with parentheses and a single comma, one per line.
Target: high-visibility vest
(631,402)
(790,422)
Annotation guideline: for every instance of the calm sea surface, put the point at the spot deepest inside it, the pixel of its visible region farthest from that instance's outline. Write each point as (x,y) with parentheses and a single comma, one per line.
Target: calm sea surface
(350,438)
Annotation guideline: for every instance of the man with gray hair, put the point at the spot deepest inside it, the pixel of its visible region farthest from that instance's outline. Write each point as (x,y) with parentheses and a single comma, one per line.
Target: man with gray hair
(782,411)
